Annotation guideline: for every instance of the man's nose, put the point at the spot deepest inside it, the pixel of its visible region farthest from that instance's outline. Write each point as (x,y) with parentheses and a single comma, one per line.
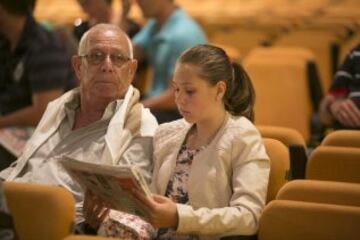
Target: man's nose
(107,64)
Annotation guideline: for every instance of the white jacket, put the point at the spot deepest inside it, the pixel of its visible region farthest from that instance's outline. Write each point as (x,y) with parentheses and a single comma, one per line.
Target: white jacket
(228,181)
(122,128)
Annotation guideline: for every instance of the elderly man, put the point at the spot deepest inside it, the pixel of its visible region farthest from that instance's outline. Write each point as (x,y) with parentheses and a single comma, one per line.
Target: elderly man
(102,121)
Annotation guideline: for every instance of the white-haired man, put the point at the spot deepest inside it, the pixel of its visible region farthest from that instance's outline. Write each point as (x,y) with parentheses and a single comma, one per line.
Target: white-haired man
(102,121)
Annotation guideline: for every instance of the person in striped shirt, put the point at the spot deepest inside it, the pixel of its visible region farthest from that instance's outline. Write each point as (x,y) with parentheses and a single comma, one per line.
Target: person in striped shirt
(340,108)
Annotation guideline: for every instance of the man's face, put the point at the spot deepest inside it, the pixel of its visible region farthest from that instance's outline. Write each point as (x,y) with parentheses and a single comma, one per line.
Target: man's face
(105,69)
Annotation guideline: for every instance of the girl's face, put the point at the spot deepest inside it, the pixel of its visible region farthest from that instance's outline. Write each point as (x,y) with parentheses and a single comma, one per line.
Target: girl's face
(195,98)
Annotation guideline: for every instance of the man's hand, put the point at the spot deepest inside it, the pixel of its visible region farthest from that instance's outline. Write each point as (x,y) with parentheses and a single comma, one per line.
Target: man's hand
(94,210)
(346,112)
(162,210)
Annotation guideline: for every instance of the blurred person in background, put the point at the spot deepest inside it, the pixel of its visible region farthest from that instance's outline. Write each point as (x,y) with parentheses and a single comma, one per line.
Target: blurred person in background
(340,108)
(168,32)
(100,11)
(34,68)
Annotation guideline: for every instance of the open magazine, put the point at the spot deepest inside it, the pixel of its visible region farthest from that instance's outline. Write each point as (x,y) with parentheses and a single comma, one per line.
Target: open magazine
(14,139)
(112,184)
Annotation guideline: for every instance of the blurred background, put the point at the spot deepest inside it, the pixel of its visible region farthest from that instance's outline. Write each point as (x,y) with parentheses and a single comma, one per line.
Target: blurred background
(318,33)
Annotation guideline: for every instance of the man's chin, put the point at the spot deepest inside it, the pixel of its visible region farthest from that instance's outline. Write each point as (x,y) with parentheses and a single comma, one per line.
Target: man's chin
(107,93)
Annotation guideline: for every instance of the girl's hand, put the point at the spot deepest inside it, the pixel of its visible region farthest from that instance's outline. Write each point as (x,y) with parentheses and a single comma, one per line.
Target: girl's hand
(94,210)
(162,210)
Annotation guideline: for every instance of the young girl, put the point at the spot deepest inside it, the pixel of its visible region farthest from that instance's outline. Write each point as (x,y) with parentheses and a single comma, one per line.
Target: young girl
(211,170)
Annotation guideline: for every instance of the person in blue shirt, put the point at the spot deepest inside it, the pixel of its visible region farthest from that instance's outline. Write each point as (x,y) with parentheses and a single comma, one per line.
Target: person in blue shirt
(101,11)
(168,32)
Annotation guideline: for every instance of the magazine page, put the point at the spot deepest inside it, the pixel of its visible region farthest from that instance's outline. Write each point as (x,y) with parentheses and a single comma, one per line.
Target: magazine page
(112,184)
(14,139)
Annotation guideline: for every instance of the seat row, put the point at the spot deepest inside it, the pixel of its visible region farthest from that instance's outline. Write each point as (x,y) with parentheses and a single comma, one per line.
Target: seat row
(310,204)
(302,209)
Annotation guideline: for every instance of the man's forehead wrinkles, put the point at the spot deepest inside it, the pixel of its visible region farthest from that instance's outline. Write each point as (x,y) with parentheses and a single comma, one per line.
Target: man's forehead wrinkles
(109,41)
(108,44)
(109,50)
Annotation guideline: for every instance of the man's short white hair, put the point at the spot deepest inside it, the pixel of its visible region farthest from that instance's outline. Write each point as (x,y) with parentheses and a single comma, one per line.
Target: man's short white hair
(83,44)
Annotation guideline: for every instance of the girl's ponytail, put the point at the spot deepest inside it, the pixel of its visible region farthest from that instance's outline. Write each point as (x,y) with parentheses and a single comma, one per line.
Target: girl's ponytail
(240,95)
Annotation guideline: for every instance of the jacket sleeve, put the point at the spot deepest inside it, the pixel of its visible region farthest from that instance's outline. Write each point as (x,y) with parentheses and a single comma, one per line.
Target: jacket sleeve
(250,175)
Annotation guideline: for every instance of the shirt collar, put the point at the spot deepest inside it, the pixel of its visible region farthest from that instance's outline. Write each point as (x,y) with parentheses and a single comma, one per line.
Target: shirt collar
(176,15)
(74,103)
(112,108)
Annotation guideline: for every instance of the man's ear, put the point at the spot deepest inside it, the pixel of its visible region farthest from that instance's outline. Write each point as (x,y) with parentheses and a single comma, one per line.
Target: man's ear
(132,69)
(76,63)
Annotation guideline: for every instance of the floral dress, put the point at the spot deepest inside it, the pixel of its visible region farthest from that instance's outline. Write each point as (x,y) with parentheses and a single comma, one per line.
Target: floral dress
(177,189)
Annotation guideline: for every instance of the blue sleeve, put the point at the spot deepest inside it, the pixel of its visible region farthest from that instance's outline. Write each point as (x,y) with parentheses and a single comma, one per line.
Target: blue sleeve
(180,44)
(142,38)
